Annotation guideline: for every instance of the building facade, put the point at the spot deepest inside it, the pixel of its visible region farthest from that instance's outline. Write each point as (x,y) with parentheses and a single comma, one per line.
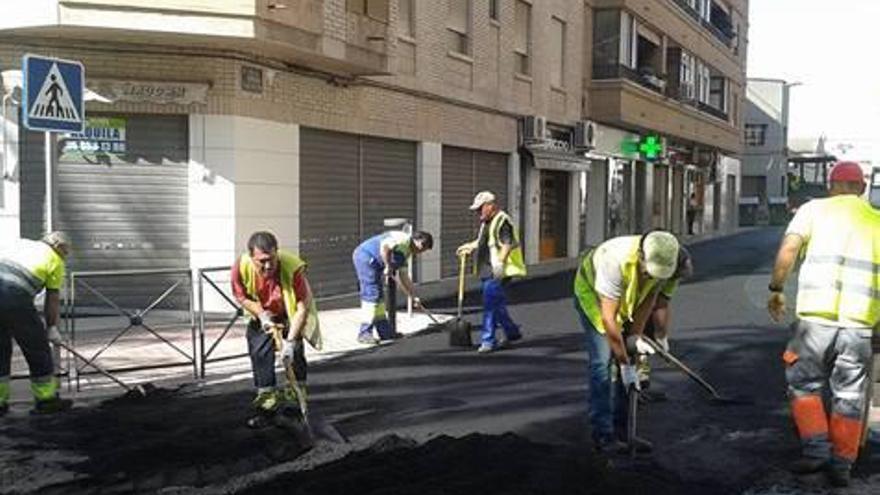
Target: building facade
(317,119)
(764,195)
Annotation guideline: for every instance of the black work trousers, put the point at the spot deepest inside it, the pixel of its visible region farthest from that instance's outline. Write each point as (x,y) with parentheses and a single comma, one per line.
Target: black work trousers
(262,353)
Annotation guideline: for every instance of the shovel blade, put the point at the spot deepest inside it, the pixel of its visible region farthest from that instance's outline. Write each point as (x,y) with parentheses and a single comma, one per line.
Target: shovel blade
(460,334)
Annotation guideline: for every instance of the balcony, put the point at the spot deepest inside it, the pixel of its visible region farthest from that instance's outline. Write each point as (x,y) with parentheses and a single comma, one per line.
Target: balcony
(644,78)
(719,26)
(300,32)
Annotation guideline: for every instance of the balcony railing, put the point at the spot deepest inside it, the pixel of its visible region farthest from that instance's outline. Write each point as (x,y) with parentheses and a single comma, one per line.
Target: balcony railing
(715,112)
(617,71)
(723,35)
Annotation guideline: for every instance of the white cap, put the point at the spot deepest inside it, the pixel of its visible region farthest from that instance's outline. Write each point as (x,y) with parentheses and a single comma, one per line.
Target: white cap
(660,251)
(482,198)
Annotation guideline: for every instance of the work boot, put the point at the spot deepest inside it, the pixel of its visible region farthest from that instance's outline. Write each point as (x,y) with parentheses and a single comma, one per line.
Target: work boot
(839,474)
(647,396)
(51,406)
(610,446)
(485,349)
(807,465)
(367,339)
(265,404)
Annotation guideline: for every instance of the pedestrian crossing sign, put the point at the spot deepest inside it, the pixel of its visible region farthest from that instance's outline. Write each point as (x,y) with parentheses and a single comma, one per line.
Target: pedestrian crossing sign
(52,94)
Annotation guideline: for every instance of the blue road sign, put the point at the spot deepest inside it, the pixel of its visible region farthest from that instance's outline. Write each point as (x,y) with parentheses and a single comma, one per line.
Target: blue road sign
(52,94)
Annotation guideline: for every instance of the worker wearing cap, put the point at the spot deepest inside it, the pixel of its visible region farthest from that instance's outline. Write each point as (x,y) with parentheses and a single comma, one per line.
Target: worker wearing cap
(271,285)
(499,258)
(26,269)
(375,260)
(618,282)
(838,305)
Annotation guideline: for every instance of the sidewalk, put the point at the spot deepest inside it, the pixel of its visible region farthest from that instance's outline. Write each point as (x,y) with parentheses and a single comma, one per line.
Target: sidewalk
(228,360)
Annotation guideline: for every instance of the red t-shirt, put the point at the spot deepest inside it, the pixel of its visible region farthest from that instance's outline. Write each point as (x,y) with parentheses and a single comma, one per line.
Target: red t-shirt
(269,290)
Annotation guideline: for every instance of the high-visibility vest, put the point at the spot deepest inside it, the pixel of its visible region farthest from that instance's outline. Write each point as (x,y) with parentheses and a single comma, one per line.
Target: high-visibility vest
(289,264)
(32,266)
(515,265)
(840,274)
(634,290)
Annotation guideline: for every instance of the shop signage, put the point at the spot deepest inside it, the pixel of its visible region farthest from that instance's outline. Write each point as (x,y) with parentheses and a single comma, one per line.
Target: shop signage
(101,135)
(160,93)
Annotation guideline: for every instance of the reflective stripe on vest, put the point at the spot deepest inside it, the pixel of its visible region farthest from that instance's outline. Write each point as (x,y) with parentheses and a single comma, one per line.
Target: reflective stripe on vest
(840,276)
(33,266)
(634,291)
(289,264)
(515,265)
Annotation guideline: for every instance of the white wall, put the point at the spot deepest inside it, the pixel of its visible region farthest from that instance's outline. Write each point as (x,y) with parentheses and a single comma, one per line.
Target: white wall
(574,214)
(729,201)
(429,208)
(9,178)
(597,202)
(532,212)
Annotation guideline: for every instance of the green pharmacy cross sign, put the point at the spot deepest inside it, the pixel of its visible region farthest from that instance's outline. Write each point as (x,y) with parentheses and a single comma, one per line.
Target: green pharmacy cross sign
(651,147)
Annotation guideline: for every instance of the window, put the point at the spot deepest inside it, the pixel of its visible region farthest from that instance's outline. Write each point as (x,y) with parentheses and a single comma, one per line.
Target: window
(374,9)
(523,41)
(458,26)
(606,42)
(557,49)
(718,93)
(628,40)
(756,134)
(405,24)
(703,78)
(494,9)
(686,76)
(754,186)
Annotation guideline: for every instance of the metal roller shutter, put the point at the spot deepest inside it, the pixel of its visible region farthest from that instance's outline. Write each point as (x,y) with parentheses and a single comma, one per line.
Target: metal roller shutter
(329,208)
(464,173)
(129,210)
(349,185)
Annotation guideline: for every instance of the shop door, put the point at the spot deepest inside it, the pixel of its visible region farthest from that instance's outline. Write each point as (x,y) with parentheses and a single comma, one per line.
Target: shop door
(554,214)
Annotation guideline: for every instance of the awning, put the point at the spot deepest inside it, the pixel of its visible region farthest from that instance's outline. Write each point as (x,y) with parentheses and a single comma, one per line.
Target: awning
(557,160)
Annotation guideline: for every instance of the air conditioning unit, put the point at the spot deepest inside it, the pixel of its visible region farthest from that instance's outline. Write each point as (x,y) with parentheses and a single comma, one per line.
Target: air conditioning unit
(534,129)
(585,135)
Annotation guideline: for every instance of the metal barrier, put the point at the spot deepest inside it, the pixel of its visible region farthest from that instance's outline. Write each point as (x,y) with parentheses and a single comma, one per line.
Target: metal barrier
(136,318)
(205,353)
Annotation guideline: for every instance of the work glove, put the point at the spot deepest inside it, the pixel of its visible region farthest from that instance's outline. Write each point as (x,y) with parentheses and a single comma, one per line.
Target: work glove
(266,321)
(643,347)
(417,303)
(776,306)
(466,249)
(663,342)
(498,271)
(55,335)
(629,375)
(288,349)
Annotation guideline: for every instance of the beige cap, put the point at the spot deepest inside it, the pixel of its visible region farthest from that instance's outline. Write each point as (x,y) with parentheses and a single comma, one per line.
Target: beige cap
(660,250)
(482,198)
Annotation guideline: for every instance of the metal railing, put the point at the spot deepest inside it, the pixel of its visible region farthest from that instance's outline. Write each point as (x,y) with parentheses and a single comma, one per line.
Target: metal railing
(136,318)
(618,71)
(205,354)
(723,36)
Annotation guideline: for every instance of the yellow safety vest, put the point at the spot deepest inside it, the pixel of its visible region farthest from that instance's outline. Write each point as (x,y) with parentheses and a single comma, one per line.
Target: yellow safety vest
(33,266)
(634,291)
(289,264)
(515,265)
(840,274)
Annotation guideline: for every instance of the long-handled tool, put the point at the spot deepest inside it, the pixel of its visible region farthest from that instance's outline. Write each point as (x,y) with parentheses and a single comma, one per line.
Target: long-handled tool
(132,391)
(632,416)
(460,330)
(716,397)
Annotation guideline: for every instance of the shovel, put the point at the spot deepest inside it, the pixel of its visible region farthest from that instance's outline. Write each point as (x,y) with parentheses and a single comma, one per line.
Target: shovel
(460,330)
(136,391)
(716,397)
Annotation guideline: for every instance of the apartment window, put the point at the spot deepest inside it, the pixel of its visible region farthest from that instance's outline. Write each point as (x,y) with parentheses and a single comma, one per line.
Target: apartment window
(494,9)
(374,9)
(523,39)
(458,26)
(703,78)
(718,93)
(628,40)
(686,76)
(756,134)
(704,8)
(557,61)
(405,24)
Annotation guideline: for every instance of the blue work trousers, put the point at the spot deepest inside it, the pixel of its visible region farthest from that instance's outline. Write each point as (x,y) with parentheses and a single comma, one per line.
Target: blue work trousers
(495,313)
(606,405)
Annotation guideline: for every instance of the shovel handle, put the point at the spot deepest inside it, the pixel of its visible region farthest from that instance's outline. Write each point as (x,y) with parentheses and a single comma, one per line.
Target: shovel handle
(683,367)
(461,268)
